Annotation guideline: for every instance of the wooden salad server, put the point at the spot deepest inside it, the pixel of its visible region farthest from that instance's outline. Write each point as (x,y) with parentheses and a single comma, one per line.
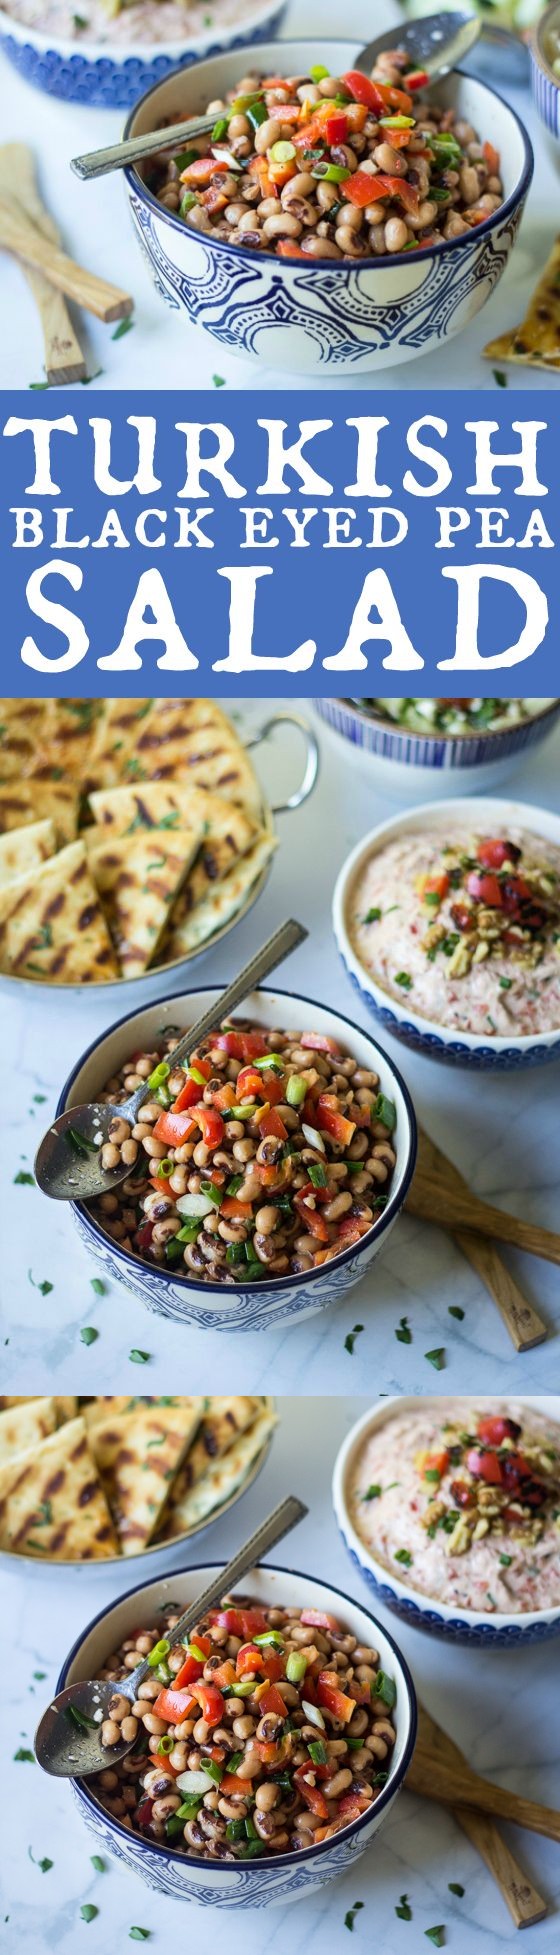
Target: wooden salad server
(435,1197)
(456,1784)
(64,359)
(521,1319)
(94,294)
(525,1903)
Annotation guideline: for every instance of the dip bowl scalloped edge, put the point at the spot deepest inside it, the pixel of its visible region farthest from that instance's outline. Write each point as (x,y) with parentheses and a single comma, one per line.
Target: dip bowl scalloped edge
(113,76)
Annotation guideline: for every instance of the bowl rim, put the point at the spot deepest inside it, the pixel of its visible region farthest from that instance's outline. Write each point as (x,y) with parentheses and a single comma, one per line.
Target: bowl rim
(536,42)
(277,1859)
(135,51)
(388,725)
(450,1611)
(417,817)
(315,268)
(279,1283)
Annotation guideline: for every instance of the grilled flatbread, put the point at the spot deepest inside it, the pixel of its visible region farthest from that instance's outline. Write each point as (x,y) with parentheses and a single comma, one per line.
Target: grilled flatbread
(25,1425)
(99,1410)
(226,831)
(226,898)
(536,342)
(138,878)
(23,802)
(224,1420)
(67,739)
(191,740)
(138,1454)
(25,849)
(221,1480)
(21,727)
(52,925)
(52,1503)
(66,1408)
(114,739)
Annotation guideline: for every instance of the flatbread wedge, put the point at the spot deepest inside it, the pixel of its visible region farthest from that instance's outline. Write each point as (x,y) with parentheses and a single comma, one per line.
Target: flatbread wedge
(138,1455)
(100,1409)
(66,1408)
(52,925)
(25,1425)
(24,802)
(223,1478)
(536,342)
(227,832)
(67,738)
(52,1504)
(138,878)
(222,904)
(192,740)
(21,728)
(224,1421)
(25,849)
(114,738)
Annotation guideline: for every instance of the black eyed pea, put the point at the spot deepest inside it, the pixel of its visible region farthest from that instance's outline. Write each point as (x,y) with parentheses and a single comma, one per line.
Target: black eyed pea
(396,234)
(351,220)
(420,219)
(119,1707)
(350,244)
(110,1155)
(301,185)
(231,1809)
(155,1725)
(119,1130)
(266,1797)
(249,1766)
(233,214)
(339,1783)
(389,160)
(244,1727)
(110,1732)
(268,133)
(234,1230)
(455,225)
(468,183)
(164,1231)
(129,1728)
(282,225)
(249,222)
(304,210)
(346,158)
(265,1823)
(200,1732)
(163,1808)
(315,247)
(239,126)
(327,195)
(375,215)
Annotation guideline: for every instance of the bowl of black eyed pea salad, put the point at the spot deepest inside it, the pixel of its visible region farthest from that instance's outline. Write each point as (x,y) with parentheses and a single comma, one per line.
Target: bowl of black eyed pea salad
(268,1751)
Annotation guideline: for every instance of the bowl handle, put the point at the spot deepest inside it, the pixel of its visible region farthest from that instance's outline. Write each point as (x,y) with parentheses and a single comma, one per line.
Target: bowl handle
(311,769)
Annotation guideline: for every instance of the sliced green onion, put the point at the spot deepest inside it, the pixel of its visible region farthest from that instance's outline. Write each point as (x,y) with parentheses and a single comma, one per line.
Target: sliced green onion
(244,1686)
(273,1061)
(165,1745)
(174,1249)
(164,1168)
(318,1752)
(189,1807)
(213,1194)
(220,129)
(248,1112)
(282,152)
(79,1143)
(271,1639)
(319,74)
(313,1137)
(296,1667)
(174,1825)
(235,1830)
(194,1784)
(245,102)
(386,1111)
(214,1770)
(160,1074)
(234,1760)
(235,1253)
(317,1175)
(296,1090)
(256,114)
(160,1650)
(385,1688)
(396,121)
(193,1073)
(185,159)
(313,1714)
(193,1649)
(195,1205)
(235,1184)
(189,1231)
(331,172)
(79,1717)
(225,156)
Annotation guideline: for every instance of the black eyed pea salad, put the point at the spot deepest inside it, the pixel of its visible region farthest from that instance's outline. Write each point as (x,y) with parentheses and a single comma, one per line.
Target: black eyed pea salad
(267,1733)
(338,167)
(265,1154)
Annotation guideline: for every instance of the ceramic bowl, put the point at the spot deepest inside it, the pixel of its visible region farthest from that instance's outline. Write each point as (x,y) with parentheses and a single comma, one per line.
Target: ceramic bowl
(457,1048)
(350,317)
(284,1876)
(545,85)
(402,764)
(498,1631)
(112,76)
(258,1305)
(166,1550)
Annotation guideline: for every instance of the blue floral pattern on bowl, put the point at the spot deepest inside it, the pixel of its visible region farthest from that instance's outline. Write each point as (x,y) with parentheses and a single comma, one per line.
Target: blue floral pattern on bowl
(454,1052)
(430,750)
(457,1629)
(107,80)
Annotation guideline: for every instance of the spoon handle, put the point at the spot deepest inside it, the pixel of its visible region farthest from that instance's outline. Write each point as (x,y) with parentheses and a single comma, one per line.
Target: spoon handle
(100,162)
(265,960)
(278,1523)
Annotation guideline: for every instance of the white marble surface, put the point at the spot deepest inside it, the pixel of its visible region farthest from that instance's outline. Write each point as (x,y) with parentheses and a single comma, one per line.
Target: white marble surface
(497,1705)
(164,349)
(502,1131)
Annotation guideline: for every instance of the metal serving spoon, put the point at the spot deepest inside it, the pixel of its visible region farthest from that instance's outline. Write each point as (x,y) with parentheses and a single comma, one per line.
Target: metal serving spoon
(67,1741)
(436,45)
(68,1162)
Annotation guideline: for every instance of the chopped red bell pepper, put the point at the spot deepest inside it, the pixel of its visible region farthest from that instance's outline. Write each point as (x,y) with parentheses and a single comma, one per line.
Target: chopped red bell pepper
(271,1703)
(436,885)
(175,1705)
(318,1619)
(288,248)
(436,1463)
(144,1235)
(190,1092)
(362,189)
(191,1668)
(143,1814)
(175,1128)
(490,154)
(319,1042)
(240,1622)
(200,173)
(417,79)
(211,1702)
(493,852)
(241,1045)
(493,1430)
(163,1185)
(313,1220)
(210,1123)
(330,1120)
(336,128)
(272,1123)
(376,95)
(485,889)
(304,1778)
(333,1698)
(249,1660)
(231,1783)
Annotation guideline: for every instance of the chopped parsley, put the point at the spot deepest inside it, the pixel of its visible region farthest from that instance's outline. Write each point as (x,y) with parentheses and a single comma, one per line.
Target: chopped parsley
(455,1888)
(217,380)
(500,378)
(372,916)
(99,1864)
(124,326)
(98,1286)
(454,1310)
(404,979)
(350,1917)
(139,1357)
(404,1910)
(403,1332)
(88,1334)
(372,1493)
(45,1287)
(350,1340)
(437,1935)
(437,1358)
(403,1555)
(88,1912)
(24,1180)
(23,1757)
(506,1560)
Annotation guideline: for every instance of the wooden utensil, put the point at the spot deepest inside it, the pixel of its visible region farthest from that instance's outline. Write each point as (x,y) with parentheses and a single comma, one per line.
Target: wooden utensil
(525,1903)
(458,1785)
(94,294)
(64,359)
(522,1321)
(434,1198)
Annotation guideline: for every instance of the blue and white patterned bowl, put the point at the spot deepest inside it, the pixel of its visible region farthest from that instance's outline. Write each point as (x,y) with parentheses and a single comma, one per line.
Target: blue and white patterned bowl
(258,1305)
(303,318)
(545,85)
(498,1631)
(402,764)
(457,1048)
(284,1876)
(113,76)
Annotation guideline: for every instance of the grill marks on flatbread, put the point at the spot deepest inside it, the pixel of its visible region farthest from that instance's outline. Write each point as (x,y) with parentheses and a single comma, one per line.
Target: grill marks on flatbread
(25,849)
(114,739)
(22,722)
(52,925)
(26,802)
(194,927)
(224,1420)
(536,342)
(138,1453)
(222,1478)
(52,1504)
(25,1424)
(191,740)
(226,833)
(138,877)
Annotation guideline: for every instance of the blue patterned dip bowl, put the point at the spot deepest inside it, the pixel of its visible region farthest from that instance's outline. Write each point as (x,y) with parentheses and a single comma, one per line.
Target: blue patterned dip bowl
(112,75)
(402,764)
(497,1631)
(284,1298)
(270,1880)
(350,317)
(498,1054)
(545,85)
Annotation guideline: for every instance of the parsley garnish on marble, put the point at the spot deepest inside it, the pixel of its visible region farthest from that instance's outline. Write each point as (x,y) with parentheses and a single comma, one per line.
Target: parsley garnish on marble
(402,1332)
(404,1911)
(350,1917)
(350,1340)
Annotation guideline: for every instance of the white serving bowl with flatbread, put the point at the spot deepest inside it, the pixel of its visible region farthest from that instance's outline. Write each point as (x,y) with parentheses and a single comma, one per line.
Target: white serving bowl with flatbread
(135,1476)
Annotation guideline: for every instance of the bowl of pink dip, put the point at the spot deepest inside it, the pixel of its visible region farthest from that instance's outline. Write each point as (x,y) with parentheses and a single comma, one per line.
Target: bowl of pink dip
(447,919)
(450,1508)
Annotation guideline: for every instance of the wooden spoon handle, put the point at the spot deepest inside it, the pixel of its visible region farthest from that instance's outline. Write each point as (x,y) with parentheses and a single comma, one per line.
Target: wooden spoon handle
(523,1900)
(106,301)
(64,359)
(521,1319)
(433,1779)
(434,1201)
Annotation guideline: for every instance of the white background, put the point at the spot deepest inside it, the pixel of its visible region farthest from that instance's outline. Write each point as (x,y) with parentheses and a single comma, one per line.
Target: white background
(163,350)
(501,1130)
(497,1704)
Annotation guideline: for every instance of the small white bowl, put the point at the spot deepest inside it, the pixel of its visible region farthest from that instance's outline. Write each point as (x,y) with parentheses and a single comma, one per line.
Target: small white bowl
(112,75)
(255,1307)
(316,317)
(267,1881)
(403,764)
(498,1631)
(439,1042)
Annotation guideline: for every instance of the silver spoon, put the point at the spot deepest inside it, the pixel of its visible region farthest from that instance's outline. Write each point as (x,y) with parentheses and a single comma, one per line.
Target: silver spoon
(67,1741)
(436,44)
(68,1162)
